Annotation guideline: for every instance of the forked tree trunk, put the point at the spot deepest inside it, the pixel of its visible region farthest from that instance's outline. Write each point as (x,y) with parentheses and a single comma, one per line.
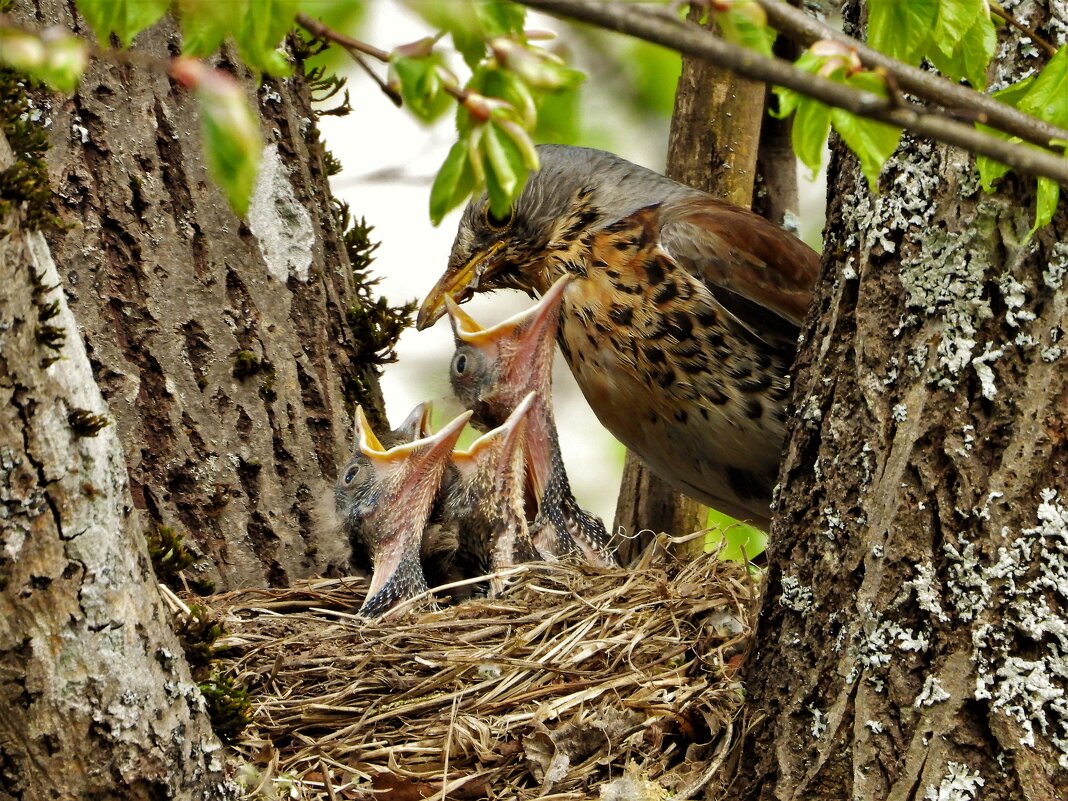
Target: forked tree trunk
(912,639)
(221,346)
(96,700)
(713,145)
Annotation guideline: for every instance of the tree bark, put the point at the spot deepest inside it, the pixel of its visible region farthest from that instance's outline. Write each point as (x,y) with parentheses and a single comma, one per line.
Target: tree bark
(911,643)
(97,699)
(715,135)
(220,346)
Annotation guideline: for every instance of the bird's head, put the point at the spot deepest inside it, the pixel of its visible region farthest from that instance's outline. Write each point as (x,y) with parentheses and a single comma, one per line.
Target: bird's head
(388,493)
(576,190)
(494,463)
(493,368)
(354,485)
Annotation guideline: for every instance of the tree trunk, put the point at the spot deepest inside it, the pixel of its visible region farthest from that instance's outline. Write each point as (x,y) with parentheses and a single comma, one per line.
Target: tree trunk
(715,133)
(96,698)
(911,643)
(221,347)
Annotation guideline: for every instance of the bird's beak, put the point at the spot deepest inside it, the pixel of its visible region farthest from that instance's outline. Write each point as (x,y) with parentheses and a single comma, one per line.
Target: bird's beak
(417,424)
(409,475)
(459,284)
(504,439)
(532,332)
(418,452)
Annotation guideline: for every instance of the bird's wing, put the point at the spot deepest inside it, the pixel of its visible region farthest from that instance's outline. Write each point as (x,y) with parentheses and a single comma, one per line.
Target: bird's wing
(738,251)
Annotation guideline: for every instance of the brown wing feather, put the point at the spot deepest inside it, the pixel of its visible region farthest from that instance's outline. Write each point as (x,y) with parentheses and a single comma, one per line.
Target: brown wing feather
(742,252)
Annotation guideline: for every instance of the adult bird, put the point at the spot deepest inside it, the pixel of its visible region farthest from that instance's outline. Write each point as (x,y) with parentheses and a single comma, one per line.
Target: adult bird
(384,497)
(483,499)
(681,323)
(491,371)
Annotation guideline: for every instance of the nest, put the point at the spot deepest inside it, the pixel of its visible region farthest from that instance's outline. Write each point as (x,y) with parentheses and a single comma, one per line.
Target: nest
(576,682)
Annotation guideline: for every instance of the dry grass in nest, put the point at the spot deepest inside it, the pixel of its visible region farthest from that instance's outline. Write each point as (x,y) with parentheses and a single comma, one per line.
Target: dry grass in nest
(576,683)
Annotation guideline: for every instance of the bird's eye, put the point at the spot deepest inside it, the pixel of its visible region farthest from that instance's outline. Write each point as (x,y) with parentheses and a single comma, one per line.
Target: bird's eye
(350,474)
(459,364)
(498,223)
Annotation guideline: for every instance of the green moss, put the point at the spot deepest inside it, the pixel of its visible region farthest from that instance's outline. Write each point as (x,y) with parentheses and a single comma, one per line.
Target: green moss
(267,391)
(246,363)
(198,634)
(85,423)
(24,187)
(200,585)
(375,324)
(228,706)
(168,553)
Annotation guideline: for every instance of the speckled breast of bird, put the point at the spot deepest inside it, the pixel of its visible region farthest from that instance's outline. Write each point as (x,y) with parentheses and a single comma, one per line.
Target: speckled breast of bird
(671,372)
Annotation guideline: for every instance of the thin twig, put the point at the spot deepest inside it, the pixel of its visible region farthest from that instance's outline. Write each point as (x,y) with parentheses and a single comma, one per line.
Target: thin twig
(356,49)
(804,29)
(997,10)
(317,28)
(691,40)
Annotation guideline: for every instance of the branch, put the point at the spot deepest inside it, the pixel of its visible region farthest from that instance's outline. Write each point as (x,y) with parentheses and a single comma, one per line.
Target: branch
(354,47)
(997,10)
(665,30)
(804,29)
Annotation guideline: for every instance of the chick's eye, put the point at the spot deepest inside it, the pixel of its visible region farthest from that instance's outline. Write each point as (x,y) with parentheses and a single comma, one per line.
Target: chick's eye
(459,364)
(498,223)
(350,474)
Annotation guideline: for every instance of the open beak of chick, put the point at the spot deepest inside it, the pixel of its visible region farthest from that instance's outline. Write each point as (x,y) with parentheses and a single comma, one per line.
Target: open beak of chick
(404,480)
(521,349)
(496,463)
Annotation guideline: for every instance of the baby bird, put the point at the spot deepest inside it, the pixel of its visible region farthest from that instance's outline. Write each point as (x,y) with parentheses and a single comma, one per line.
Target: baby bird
(384,498)
(483,499)
(492,370)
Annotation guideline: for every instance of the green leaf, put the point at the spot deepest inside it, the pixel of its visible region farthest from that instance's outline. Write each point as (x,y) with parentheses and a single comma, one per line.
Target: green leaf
(962,40)
(503,166)
(206,23)
(124,18)
(453,183)
(746,24)
(971,52)
(740,538)
(55,58)
(1048,194)
(991,170)
(901,28)
(873,142)
(231,136)
(420,86)
(259,32)
(495,82)
(500,17)
(471,23)
(811,125)
(506,173)
(66,57)
(789,100)
(1047,94)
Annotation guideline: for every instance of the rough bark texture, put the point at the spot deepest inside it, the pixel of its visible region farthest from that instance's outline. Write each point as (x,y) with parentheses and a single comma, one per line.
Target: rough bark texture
(715,132)
(220,346)
(911,644)
(97,701)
